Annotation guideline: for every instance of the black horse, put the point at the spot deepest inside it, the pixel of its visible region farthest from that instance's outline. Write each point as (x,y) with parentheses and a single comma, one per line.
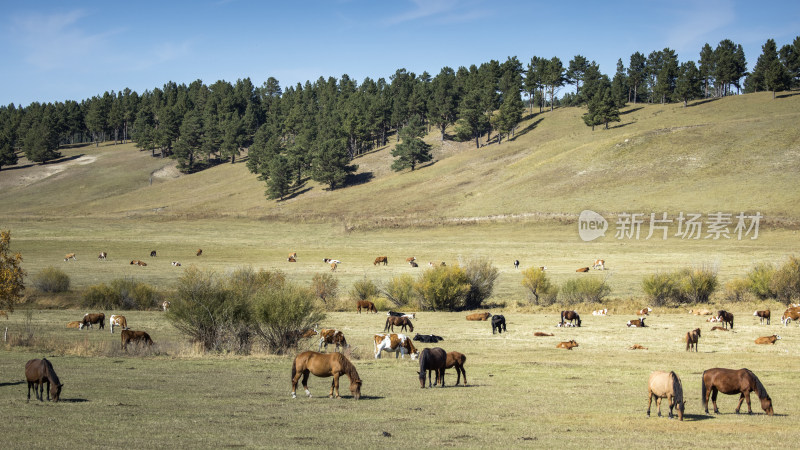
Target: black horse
(432,359)
(498,321)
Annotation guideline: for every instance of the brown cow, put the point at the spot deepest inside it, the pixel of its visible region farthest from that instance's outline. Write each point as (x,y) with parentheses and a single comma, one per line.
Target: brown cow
(136,262)
(413,258)
(129,336)
(90,319)
(69,256)
(293,255)
(762,315)
(479,316)
(718,329)
(789,315)
(567,345)
(637,347)
(291,259)
(539,333)
(331,336)
(583,269)
(768,339)
(692,339)
(74,324)
(400,344)
(637,323)
(381,259)
(369,306)
(644,311)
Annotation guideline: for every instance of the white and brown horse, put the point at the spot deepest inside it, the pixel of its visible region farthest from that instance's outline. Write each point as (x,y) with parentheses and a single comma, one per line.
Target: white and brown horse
(400,344)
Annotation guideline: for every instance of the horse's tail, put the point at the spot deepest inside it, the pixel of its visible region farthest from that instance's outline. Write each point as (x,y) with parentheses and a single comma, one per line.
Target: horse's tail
(562,316)
(386,327)
(294,369)
(677,388)
(703,390)
(688,340)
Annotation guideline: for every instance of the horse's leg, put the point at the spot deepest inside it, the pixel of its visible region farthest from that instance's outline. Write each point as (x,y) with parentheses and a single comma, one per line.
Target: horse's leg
(41,390)
(649,403)
(295,379)
(441,377)
(29,391)
(714,392)
(48,389)
(465,375)
(335,385)
(306,373)
(671,401)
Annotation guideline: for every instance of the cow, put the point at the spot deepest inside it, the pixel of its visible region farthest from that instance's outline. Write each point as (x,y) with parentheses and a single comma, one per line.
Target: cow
(293,255)
(152,253)
(199,251)
(128,336)
(402,322)
(762,315)
(428,338)
(599,264)
(69,256)
(692,338)
(74,324)
(414,264)
(516,264)
(644,311)
(409,260)
(333,267)
(713,319)
(443,264)
(290,259)
(176,263)
(331,336)
(768,339)
(637,323)
(700,312)
(600,312)
(498,321)
(726,318)
(540,334)
(789,315)
(102,256)
(637,347)
(402,314)
(567,345)
(400,344)
(718,329)
(479,316)
(572,316)
(381,259)
(583,269)
(139,263)
(90,319)
(565,325)
(369,306)
(328,261)
(165,306)
(117,320)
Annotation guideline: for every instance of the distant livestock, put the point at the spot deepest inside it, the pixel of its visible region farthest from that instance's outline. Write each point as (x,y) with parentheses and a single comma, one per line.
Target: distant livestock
(119,321)
(331,336)
(516,264)
(136,337)
(479,316)
(583,269)
(498,322)
(176,263)
(381,260)
(74,324)
(91,319)
(400,344)
(369,306)
(599,264)
(571,316)
(644,311)
(637,323)
(600,312)
(69,256)
(692,338)
(768,339)
(762,315)
(540,334)
(199,251)
(139,263)
(402,314)
(789,315)
(568,345)
(700,312)
(727,318)
(102,256)
(152,253)
(413,264)
(402,322)
(428,338)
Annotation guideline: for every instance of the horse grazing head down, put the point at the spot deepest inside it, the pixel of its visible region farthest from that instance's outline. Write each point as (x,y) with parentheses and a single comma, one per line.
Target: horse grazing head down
(38,372)
(666,385)
(432,359)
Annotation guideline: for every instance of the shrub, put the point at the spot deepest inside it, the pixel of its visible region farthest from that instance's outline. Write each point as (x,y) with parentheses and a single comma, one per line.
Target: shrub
(281,314)
(696,285)
(400,290)
(760,280)
(786,281)
(540,289)
(364,290)
(325,286)
(481,275)
(737,290)
(123,293)
(660,289)
(51,280)
(443,288)
(584,290)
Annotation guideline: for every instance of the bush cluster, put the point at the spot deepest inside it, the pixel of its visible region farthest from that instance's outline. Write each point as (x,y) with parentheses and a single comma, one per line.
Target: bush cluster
(51,279)
(123,293)
(541,291)
(583,290)
(765,281)
(682,286)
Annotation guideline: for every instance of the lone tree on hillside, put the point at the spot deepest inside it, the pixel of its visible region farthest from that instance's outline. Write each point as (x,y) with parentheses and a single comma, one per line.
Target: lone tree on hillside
(412,150)
(11,274)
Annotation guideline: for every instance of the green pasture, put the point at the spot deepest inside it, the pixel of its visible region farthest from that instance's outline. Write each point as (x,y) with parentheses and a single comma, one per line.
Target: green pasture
(522,391)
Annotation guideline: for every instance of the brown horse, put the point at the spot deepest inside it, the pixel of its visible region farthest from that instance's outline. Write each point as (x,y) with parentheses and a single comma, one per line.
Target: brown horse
(432,359)
(730,381)
(692,338)
(665,385)
(128,336)
(325,365)
(38,372)
(402,322)
(572,316)
(369,306)
(457,360)
(725,317)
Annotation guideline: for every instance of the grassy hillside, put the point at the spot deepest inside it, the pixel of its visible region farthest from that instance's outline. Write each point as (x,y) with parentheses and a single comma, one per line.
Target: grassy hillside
(740,153)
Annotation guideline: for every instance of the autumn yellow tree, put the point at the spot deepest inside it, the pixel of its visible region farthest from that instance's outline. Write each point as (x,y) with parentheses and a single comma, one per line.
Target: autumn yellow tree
(11,274)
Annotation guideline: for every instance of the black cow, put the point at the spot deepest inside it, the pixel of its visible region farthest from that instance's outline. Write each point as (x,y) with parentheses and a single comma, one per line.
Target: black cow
(516,264)
(428,338)
(498,321)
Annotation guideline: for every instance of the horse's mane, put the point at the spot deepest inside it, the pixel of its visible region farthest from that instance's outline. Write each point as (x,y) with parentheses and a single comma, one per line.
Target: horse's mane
(50,372)
(348,367)
(760,389)
(677,389)
(423,363)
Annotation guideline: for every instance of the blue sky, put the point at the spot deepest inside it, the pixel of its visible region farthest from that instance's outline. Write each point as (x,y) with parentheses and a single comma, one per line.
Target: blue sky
(58,50)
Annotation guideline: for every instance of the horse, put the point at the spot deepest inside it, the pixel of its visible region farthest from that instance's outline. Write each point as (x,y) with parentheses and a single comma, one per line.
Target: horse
(102,256)
(152,253)
(665,385)
(726,318)
(90,319)
(119,321)
(432,359)
(369,306)
(128,336)
(457,360)
(692,337)
(38,372)
(572,316)
(199,251)
(403,322)
(498,321)
(731,381)
(325,365)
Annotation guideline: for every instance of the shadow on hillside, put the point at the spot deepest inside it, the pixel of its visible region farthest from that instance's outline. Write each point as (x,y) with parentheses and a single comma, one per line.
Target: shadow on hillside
(787,95)
(14,383)
(702,102)
(622,113)
(52,161)
(620,125)
(527,129)
(371,151)
(78,145)
(359,178)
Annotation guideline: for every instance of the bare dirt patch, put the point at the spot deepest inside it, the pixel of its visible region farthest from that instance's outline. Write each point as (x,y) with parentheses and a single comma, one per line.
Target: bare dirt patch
(29,173)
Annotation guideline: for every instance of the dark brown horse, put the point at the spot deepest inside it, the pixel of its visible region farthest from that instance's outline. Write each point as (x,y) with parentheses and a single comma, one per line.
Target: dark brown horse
(38,372)
(129,336)
(572,316)
(725,317)
(432,359)
(730,381)
(325,365)
(369,306)
(692,338)
(457,360)
(402,322)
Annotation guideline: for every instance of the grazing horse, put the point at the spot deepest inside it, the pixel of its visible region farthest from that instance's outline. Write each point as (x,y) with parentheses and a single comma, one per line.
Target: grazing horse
(69,256)
(119,321)
(38,372)
(768,339)
(381,259)
(432,359)
(332,336)
(400,344)
(199,251)
(572,316)
(152,253)
(457,360)
(730,382)
(325,365)
(369,306)
(402,322)
(90,319)
(665,385)
(516,264)
(129,336)
(762,315)
(102,256)
(726,318)
(498,321)
(692,337)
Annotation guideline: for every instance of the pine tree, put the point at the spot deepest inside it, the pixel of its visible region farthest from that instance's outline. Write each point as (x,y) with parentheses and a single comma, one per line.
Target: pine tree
(331,163)
(189,142)
(575,71)
(8,157)
(636,74)
(688,86)
(412,150)
(443,100)
(707,67)
(619,90)
(790,57)
(774,74)
(601,108)
(280,178)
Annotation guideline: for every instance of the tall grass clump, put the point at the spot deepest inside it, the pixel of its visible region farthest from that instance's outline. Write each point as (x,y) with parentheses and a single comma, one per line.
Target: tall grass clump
(51,280)
(760,280)
(541,291)
(122,293)
(400,290)
(583,290)
(786,281)
(443,288)
(364,289)
(325,287)
(281,314)
(481,275)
